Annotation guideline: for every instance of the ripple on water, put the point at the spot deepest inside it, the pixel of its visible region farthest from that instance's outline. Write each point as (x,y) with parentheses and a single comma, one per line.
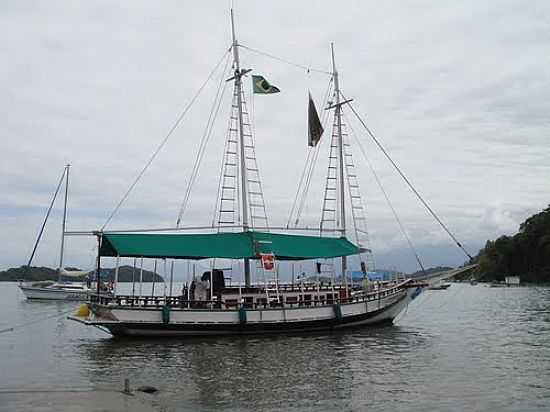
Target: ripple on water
(467,348)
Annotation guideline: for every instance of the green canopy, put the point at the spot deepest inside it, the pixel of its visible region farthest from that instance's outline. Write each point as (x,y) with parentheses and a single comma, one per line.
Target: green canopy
(225,245)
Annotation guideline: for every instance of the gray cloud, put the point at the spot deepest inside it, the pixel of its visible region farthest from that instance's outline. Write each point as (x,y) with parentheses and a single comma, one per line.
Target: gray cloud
(457,93)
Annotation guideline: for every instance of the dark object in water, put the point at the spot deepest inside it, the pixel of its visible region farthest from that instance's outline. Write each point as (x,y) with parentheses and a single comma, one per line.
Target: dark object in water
(441,286)
(147,389)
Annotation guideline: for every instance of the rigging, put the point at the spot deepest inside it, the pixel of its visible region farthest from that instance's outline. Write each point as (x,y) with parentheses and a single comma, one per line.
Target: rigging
(46,218)
(388,201)
(309,168)
(164,140)
(407,181)
(280,59)
(204,140)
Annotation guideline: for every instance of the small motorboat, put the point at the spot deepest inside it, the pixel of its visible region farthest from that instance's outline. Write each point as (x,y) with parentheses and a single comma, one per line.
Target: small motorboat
(439,286)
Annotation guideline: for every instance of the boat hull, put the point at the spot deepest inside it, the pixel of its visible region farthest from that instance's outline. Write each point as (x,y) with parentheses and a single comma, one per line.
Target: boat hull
(148,322)
(37,293)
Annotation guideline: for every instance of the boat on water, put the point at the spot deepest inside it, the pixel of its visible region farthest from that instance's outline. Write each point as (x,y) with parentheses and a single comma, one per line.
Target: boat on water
(271,307)
(55,291)
(66,287)
(439,286)
(212,303)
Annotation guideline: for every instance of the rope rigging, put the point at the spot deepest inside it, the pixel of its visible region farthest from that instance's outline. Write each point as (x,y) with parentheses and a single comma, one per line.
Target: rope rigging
(307,184)
(300,183)
(204,140)
(407,181)
(165,139)
(388,201)
(309,167)
(280,59)
(32,322)
(220,177)
(46,218)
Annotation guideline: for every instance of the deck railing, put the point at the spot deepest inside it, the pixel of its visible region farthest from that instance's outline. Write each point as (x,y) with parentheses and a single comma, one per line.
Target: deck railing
(181,302)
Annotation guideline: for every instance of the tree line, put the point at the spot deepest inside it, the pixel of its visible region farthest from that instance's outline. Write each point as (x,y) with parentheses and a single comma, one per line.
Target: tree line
(527,253)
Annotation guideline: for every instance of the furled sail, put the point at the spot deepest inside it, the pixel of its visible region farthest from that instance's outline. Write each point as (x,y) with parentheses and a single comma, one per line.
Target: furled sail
(73,273)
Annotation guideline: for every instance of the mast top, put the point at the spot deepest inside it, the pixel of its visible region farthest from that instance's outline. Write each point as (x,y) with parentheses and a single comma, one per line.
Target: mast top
(235,43)
(334,72)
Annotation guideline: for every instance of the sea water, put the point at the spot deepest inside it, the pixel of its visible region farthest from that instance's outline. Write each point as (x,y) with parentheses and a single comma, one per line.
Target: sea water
(464,348)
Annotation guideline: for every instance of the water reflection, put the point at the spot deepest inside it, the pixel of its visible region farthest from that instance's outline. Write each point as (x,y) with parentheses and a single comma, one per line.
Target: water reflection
(238,371)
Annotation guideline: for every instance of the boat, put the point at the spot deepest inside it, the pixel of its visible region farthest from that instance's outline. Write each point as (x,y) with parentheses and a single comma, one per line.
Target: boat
(76,291)
(65,288)
(439,286)
(213,303)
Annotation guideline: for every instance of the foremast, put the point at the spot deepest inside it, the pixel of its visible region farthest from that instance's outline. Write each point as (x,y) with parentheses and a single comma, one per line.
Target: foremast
(63,223)
(242,159)
(341,183)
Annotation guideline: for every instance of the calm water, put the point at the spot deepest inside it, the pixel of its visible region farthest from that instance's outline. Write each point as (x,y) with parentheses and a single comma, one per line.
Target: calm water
(466,348)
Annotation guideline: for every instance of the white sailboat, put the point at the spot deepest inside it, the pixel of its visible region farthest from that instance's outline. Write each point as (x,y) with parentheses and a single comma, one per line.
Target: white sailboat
(62,289)
(240,232)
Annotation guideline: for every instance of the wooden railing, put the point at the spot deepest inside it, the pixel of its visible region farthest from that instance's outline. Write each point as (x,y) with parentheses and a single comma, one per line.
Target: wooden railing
(183,303)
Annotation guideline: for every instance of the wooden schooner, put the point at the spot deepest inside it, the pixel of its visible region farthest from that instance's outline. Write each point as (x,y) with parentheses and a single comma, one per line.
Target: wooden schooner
(240,232)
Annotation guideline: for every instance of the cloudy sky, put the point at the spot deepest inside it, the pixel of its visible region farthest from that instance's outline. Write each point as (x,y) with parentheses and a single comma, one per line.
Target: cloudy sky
(458,93)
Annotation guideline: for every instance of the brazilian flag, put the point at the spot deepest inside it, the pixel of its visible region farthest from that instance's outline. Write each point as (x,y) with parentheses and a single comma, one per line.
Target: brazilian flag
(261,86)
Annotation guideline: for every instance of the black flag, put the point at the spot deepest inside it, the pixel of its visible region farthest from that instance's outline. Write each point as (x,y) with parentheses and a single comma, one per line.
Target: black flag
(315,129)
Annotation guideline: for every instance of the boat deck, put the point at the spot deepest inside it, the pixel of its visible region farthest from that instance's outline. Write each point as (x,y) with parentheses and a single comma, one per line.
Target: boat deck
(256,298)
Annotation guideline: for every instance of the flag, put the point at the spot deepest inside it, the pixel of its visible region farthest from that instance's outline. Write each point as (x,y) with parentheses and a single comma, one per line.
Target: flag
(261,85)
(315,129)
(268,261)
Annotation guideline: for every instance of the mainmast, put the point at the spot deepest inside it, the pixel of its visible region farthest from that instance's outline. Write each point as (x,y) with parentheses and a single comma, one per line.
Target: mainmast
(62,248)
(341,183)
(242,158)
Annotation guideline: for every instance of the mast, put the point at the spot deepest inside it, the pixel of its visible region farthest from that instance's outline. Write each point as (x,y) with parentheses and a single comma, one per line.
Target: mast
(242,159)
(62,248)
(341,184)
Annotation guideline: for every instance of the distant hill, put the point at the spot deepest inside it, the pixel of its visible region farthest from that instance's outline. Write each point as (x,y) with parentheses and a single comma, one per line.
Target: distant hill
(126,273)
(527,253)
(431,271)
(35,274)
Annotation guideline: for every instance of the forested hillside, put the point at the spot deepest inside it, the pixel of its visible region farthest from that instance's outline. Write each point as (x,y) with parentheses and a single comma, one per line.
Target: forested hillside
(526,254)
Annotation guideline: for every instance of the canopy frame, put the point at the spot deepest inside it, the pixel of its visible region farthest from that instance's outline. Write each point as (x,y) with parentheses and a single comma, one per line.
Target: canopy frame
(238,245)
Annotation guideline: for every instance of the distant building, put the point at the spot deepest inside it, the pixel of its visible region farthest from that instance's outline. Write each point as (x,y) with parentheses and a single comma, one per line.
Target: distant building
(377,275)
(511,280)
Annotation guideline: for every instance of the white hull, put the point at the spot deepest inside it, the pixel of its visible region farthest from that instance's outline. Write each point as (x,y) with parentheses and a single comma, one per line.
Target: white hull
(148,321)
(51,293)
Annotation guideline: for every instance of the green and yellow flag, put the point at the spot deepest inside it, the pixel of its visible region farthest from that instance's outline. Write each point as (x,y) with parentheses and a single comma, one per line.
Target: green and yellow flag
(262,86)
